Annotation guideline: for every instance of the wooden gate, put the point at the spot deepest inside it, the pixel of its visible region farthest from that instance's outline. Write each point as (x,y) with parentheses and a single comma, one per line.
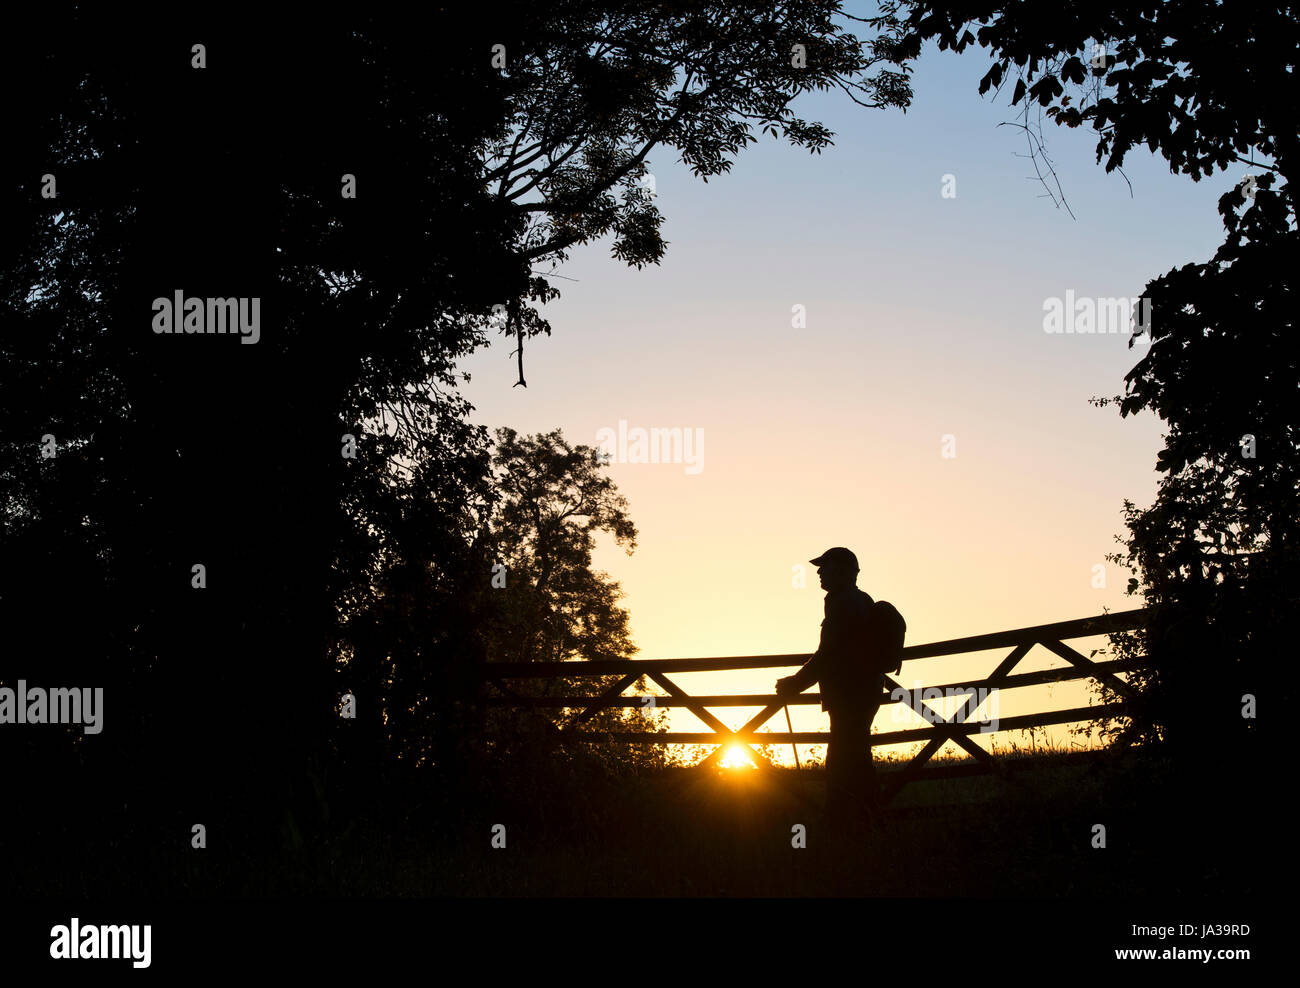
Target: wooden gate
(940,729)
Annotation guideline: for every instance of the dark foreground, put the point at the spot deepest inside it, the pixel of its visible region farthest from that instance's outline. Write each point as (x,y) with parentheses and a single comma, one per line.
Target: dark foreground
(578,830)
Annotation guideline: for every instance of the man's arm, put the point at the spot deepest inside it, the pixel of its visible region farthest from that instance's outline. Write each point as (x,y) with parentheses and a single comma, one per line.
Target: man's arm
(808,674)
(836,643)
(811,671)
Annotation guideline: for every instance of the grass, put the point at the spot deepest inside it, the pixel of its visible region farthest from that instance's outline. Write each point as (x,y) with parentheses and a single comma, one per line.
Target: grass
(575,828)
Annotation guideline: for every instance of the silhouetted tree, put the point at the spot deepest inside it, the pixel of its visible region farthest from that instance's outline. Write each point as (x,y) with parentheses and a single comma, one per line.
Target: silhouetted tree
(1208,87)
(524,589)
(554,499)
(220,160)
(549,602)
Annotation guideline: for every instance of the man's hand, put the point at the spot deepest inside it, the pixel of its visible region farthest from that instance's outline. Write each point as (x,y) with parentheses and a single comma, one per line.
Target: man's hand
(786,687)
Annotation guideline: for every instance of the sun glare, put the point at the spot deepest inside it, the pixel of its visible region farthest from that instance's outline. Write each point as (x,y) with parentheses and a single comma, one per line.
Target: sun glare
(736,757)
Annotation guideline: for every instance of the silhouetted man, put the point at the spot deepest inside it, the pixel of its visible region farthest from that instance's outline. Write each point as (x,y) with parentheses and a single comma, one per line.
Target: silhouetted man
(851,689)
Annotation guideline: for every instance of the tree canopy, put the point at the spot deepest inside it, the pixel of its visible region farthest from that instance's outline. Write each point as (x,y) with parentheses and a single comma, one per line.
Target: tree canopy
(1209,88)
(208,524)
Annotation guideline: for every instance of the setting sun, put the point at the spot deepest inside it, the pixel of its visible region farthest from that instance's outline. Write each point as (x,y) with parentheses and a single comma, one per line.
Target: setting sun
(736,757)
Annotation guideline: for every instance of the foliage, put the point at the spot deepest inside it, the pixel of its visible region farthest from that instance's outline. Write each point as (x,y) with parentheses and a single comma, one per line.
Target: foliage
(1206,87)
(225,181)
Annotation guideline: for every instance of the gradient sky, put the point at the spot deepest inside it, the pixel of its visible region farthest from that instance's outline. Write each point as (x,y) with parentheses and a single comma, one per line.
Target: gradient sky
(924,319)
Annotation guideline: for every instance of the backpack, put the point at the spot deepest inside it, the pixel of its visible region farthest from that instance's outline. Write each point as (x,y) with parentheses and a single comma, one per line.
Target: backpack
(885,632)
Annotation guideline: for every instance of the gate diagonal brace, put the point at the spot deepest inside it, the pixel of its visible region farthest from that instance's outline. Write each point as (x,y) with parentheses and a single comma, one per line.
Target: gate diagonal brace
(718,726)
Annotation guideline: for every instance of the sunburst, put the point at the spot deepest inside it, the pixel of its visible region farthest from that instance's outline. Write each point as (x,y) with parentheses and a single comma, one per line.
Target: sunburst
(736,757)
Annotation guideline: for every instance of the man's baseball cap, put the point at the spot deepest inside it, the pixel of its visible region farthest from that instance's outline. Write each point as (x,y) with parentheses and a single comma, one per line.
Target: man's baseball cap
(838,556)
